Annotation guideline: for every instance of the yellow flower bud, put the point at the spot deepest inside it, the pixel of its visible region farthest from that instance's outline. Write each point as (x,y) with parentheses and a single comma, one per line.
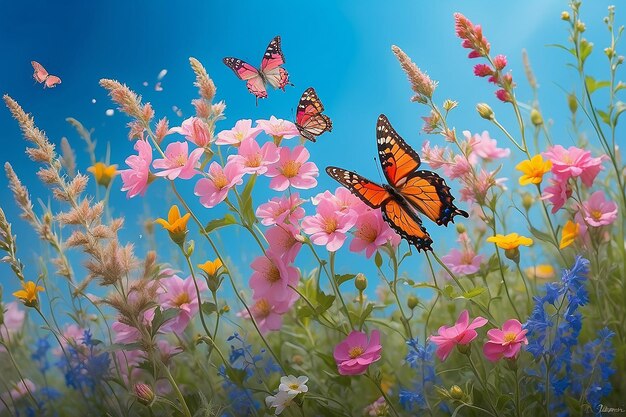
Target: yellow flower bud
(485,111)
(536,118)
(565,16)
(360,282)
(456,392)
(572,102)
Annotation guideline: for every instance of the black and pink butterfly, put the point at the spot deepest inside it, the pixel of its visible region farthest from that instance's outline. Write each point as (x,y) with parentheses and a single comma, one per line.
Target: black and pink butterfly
(271,71)
(309,118)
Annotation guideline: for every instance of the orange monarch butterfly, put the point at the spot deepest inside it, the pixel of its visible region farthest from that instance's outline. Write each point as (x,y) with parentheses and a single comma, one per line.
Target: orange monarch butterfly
(309,118)
(409,190)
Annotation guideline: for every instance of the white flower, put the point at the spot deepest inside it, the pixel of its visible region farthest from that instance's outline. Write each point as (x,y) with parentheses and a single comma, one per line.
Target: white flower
(281,401)
(292,385)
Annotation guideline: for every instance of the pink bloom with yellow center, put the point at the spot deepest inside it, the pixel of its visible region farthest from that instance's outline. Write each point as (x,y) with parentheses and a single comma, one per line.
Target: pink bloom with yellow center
(268,313)
(356,353)
(462,333)
(343,199)
(293,170)
(285,240)
(254,159)
(557,193)
(371,233)
(574,162)
(272,277)
(176,292)
(505,343)
(135,180)
(278,128)
(329,226)
(464,261)
(243,130)
(598,211)
(279,210)
(214,189)
(178,163)
(194,130)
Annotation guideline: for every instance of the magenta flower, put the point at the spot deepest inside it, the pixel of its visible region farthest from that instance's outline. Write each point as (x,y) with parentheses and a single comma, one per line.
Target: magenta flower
(243,130)
(355,354)
(279,210)
(371,233)
(329,226)
(254,159)
(284,240)
(465,261)
(557,194)
(506,342)
(462,333)
(574,162)
(194,130)
(177,162)
(268,313)
(175,292)
(293,170)
(136,179)
(278,128)
(214,189)
(272,277)
(485,147)
(598,211)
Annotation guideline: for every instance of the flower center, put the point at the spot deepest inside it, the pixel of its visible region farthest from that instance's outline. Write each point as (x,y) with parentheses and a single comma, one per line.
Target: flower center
(330,225)
(596,214)
(273,275)
(254,161)
(294,386)
(181,159)
(219,180)
(239,136)
(263,308)
(467,258)
(291,169)
(367,233)
(509,337)
(182,298)
(355,352)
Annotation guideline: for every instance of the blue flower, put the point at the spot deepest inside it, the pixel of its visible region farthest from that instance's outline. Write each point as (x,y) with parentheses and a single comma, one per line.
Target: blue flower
(85,366)
(420,358)
(40,355)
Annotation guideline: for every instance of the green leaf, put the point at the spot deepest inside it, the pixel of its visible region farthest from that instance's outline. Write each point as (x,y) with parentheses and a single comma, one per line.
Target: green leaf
(236,375)
(378,259)
(474,292)
(367,311)
(593,85)
(325,301)
(121,346)
(217,223)
(449,291)
(585,50)
(604,116)
(620,107)
(161,317)
(340,279)
(546,237)
(246,206)
(209,308)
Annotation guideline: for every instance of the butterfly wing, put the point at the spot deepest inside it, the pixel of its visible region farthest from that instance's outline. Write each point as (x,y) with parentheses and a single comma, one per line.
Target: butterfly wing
(309,118)
(397,158)
(247,72)
(271,65)
(40,74)
(52,81)
(395,211)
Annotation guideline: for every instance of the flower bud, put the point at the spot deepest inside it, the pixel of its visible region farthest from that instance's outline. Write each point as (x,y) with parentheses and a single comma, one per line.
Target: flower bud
(297,359)
(512,254)
(580,26)
(456,392)
(360,282)
(460,228)
(412,301)
(565,16)
(536,118)
(527,201)
(144,394)
(464,349)
(449,104)
(572,102)
(620,59)
(485,111)
(609,52)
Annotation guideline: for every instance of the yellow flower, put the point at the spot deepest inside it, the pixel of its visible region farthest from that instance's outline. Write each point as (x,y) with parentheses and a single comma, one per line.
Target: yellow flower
(533,170)
(569,234)
(103,173)
(541,271)
(510,241)
(211,267)
(28,293)
(175,224)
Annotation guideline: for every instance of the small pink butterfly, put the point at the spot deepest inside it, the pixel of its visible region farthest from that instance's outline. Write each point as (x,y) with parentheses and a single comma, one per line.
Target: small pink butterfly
(42,76)
(271,71)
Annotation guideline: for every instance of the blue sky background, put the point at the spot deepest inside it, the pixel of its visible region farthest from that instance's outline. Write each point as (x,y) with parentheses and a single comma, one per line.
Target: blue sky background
(340,48)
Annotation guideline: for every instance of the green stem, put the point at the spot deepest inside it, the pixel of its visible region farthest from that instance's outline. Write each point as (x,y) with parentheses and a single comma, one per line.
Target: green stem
(179,394)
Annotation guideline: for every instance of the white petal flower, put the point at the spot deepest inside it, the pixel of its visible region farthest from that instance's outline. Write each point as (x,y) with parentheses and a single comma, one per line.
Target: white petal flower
(292,385)
(280,401)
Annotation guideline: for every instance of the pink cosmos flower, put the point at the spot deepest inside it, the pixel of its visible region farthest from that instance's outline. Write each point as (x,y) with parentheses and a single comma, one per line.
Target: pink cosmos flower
(371,233)
(128,361)
(272,277)
(462,333)
(292,169)
(243,130)
(557,194)
(574,162)
(329,226)
(268,313)
(167,350)
(355,354)
(279,210)
(73,335)
(435,156)
(459,167)
(177,162)
(465,261)
(506,342)
(284,240)
(278,128)
(194,130)
(485,147)
(254,159)
(214,189)
(176,292)
(377,408)
(343,199)
(128,334)
(135,180)
(598,211)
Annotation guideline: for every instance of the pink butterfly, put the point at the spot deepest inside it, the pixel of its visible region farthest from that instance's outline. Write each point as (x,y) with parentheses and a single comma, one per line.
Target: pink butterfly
(42,76)
(270,73)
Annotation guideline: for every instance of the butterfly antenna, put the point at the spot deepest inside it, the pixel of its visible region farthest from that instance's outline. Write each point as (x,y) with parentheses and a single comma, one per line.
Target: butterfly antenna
(380,175)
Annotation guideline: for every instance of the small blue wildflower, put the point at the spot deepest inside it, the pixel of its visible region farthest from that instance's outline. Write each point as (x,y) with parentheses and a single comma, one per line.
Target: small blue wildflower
(40,355)
(421,358)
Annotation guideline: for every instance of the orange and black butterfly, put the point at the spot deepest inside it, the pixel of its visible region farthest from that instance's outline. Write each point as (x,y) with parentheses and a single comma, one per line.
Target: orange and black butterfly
(309,118)
(409,190)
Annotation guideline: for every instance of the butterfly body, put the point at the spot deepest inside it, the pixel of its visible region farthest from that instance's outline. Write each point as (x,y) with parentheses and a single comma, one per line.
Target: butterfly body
(309,118)
(271,71)
(408,191)
(41,76)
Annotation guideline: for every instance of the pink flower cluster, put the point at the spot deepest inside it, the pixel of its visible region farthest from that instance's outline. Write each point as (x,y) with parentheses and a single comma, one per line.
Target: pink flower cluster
(464,261)
(356,353)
